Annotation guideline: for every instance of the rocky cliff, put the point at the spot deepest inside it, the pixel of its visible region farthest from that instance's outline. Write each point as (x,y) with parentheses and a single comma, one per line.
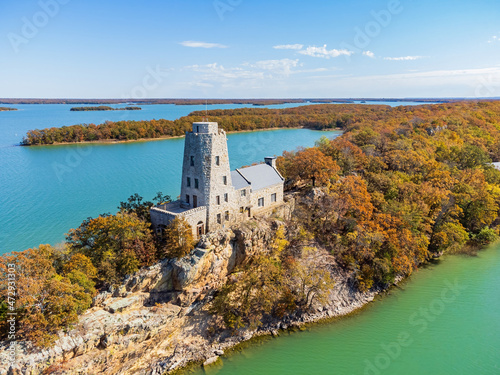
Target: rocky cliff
(157,321)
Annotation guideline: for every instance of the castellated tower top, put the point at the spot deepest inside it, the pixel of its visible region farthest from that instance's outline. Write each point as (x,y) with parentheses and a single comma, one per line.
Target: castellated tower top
(205,127)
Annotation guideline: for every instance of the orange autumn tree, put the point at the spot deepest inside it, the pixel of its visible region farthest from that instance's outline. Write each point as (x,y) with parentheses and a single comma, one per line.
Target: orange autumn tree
(308,164)
(117,245)
(46,301)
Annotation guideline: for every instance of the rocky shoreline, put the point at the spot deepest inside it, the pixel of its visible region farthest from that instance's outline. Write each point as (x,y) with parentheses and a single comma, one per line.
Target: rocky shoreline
(158,322)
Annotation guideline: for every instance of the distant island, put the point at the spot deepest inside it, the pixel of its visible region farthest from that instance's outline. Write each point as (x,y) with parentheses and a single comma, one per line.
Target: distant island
(105,108)
(187,101)
(7,109)
(400,187)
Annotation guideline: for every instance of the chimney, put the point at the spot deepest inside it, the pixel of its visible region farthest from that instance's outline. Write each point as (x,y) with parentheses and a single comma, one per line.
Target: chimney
(270,160)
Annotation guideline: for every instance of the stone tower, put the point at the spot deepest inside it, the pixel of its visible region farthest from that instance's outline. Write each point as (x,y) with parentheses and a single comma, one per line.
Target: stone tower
(206,176)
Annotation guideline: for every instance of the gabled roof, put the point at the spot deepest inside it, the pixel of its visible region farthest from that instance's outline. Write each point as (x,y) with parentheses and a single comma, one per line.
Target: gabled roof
(260,176)
(238,181)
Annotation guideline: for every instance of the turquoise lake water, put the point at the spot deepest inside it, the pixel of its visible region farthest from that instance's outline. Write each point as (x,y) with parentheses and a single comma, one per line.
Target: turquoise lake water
(46,190)
(444,320)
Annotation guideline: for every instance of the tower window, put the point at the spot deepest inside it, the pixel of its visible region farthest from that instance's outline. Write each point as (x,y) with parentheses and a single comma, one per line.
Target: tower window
(226,197)
(187,198)
(219,219)
(191,161)
(217,160)
(273,197)
(242,210)
(224,180)
(217,199)
(189,182)
(196,184)
(261,202)
(227,216)
(244,193)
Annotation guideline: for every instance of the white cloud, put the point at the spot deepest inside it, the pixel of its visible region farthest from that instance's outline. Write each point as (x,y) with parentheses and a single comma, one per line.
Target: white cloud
(494,39)
(369,54)
(281,67)
(403,58)
(190,43)
(289,46)
(255,75)
(324,53)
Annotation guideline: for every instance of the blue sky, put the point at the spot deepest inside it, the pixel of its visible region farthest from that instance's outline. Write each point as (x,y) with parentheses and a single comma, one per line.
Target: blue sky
(249,48)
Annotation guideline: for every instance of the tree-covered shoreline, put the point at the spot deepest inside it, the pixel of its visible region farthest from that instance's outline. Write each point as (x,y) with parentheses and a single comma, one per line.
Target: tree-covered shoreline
(399,188)
(104,108)
(318,117)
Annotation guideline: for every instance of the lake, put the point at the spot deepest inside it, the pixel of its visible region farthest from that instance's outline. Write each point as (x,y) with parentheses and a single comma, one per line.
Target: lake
(46,190)
(444,320)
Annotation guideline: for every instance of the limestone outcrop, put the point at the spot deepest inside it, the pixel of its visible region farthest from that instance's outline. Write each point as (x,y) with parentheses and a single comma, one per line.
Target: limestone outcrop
(157,320)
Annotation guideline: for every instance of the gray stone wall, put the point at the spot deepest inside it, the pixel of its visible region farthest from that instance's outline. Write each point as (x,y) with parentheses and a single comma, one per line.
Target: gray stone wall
(206,164)
(266,194)
(162,216)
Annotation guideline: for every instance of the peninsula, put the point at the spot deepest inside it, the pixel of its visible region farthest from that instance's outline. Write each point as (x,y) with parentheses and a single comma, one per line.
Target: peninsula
(358,214)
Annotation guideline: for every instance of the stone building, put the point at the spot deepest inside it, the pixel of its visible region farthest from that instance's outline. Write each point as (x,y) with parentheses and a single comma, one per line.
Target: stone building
(213,196)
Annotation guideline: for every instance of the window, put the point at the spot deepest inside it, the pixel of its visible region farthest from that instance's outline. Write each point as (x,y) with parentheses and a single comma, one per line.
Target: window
(189,182)
(261,202)
(187,198)
(242,210)
(224,180)
(226,198)
(217,199)
(197,129)
(273,197)
(218,219)
(244,193)
(217,160)
(227,216)
(196,184)
(191,161)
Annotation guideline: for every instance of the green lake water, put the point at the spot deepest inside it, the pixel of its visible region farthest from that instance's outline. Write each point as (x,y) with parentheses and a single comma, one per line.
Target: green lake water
(444,320)
(45,191)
